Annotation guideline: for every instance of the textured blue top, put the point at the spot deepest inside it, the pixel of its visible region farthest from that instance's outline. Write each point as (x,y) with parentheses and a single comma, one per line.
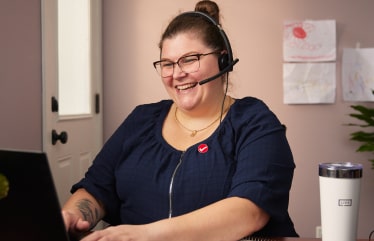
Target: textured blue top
(140,178)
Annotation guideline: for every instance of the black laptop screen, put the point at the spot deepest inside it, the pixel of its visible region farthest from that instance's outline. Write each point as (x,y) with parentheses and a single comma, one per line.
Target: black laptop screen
(30,210)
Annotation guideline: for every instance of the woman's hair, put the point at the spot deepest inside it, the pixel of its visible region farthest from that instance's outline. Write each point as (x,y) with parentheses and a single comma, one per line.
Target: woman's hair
(199,25)
(210,8)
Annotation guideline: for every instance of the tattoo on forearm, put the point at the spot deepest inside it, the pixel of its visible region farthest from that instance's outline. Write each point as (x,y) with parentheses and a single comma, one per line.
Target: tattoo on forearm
(89,212)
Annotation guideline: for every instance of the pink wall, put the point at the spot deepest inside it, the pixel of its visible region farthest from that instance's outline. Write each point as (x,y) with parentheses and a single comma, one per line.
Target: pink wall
(316,132)
(20,75)
(131,33)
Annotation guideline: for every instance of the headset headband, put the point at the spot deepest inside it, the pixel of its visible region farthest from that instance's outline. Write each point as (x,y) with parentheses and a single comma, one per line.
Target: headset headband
(230,58)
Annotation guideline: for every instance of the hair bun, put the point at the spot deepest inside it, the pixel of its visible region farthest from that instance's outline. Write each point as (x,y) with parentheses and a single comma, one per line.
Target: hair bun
(210,8)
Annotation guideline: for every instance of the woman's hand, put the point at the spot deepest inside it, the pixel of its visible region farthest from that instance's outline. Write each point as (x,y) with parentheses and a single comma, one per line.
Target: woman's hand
(81,212)
(74,224)
(121,233)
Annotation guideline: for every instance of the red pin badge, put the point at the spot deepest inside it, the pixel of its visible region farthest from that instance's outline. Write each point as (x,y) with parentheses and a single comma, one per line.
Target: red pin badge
(203,148)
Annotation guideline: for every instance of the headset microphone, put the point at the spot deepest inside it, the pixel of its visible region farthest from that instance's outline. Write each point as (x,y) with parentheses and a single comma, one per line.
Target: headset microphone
(220,73)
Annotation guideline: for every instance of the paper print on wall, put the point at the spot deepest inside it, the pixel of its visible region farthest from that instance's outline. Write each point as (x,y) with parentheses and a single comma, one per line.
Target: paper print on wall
(358,74)
(309,83)
(309,41)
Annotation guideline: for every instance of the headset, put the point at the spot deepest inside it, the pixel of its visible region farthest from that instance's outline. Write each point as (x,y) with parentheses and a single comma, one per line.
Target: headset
(226,61)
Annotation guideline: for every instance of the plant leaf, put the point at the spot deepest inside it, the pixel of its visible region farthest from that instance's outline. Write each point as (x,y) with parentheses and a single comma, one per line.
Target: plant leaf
(366,147)
(365,114)
(362,136)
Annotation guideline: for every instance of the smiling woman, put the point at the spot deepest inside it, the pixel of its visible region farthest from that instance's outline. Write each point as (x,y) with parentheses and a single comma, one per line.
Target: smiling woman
(200,165)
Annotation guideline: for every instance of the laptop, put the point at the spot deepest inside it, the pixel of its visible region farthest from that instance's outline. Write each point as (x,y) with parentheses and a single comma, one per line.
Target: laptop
(30,211)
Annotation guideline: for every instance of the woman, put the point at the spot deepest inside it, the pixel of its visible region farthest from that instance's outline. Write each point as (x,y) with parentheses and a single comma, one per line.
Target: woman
(201,166)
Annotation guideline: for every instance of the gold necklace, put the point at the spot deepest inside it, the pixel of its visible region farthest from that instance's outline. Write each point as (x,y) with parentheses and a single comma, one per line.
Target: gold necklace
(194,132)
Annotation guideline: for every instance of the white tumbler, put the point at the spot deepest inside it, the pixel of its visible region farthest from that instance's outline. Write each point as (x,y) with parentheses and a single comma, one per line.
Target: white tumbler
(339,198)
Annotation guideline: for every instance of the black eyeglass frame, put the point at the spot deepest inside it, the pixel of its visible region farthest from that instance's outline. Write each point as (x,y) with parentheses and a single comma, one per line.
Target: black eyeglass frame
(158,63)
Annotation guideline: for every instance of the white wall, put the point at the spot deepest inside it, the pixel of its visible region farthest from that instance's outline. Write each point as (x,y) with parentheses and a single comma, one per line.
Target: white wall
(316,132)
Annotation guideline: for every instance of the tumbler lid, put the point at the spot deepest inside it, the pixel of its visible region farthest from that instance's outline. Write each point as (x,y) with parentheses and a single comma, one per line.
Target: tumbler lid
(340,170)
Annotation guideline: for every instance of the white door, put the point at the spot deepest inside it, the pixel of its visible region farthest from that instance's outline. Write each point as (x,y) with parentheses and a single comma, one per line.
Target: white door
(72,88)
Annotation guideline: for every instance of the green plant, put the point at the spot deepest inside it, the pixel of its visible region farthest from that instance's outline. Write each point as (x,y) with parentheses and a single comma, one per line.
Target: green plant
(366,115)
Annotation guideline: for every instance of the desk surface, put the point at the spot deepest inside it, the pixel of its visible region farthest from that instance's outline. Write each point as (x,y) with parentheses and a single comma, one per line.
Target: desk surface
(295,239)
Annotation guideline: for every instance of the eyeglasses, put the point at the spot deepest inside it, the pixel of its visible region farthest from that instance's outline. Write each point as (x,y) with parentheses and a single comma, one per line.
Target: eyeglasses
(188,64)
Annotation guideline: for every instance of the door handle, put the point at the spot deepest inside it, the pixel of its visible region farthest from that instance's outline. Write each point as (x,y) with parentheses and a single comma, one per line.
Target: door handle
(54,104)
(63,137)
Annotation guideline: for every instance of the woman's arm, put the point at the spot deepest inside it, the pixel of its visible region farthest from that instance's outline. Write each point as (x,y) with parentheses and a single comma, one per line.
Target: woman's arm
(230,219)
(81,212)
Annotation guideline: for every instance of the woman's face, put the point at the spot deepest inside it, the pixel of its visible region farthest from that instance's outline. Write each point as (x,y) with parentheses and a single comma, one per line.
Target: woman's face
(183,87)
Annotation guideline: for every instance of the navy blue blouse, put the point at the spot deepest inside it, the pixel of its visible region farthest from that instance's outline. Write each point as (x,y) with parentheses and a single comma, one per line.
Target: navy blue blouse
(140,178)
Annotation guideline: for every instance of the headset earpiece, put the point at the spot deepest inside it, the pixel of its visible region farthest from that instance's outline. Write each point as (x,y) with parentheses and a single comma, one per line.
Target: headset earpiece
(223,61)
